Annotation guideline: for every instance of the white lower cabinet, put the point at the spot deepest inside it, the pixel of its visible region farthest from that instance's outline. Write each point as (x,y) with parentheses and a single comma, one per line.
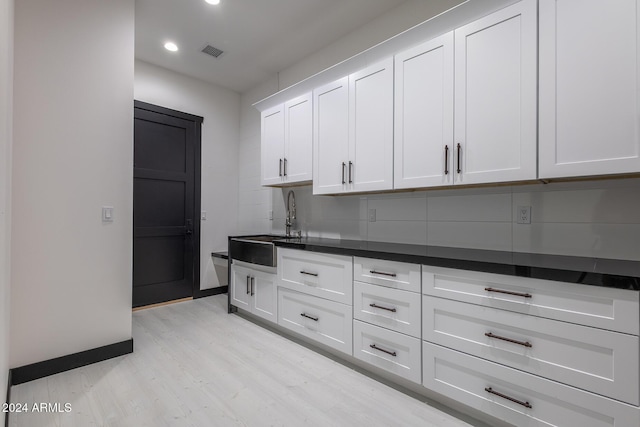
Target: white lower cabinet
(388,308)
(323,275)
(394,352)
(518,397)
(600,307)
(325,321)
(593,359)
(255,291)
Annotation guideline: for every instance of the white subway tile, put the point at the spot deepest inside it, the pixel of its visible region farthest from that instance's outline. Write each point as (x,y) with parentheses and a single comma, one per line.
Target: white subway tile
(619,241)
(613,205)
(475,235)
(472,208)
(399,208)
(412,232)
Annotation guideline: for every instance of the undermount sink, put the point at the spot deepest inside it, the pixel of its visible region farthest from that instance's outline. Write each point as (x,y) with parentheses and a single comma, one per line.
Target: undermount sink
(255,249)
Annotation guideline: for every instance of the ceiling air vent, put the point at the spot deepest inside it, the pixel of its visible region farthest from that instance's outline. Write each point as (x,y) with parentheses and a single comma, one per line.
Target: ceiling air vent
(213,51)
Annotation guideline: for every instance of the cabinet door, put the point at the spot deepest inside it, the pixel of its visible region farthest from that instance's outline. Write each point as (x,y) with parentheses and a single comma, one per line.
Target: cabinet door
(371,127)
(589,104)
(272,145)
(298,139)
(423,125)
(331,137)
(264,298)
(240,287)
(495,100)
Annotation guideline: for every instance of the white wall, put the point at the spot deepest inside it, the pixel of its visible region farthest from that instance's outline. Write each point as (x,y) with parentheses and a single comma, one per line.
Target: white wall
(597,218)
(220,109)
(6,107)
(72,154)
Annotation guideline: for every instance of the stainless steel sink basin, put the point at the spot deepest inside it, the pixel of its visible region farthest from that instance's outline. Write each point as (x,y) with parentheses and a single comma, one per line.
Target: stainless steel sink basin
(254,249)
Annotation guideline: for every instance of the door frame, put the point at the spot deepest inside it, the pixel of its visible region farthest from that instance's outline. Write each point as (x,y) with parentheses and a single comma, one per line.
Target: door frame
(197,127)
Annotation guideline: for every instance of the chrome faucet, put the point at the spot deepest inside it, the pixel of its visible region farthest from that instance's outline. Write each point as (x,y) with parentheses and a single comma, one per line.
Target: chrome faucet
(291,212)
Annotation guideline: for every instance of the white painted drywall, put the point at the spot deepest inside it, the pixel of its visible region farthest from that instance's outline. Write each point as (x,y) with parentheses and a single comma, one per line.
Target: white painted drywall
(220,109)
(72,154)
(6,138)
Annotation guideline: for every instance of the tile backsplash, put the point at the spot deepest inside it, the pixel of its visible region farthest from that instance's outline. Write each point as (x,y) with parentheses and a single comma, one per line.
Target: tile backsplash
(590,218)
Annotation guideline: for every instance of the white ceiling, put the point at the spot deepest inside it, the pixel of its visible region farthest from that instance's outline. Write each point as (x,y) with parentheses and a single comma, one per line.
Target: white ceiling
(259,37)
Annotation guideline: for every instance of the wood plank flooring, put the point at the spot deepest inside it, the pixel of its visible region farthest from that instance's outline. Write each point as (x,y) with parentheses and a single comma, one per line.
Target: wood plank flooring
(195,365)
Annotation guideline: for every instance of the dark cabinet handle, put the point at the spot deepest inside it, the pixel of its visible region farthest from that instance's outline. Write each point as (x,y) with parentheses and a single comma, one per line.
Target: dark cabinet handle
(285,166)
(500,291)
(315,319)
(374,305)
(253,287)
(280,168)
(344,165)
(350,172)
(309,274)
(446,160)
(459,152)
(375,347)
(522,343)
(504,396)
(383,273)
(248,286)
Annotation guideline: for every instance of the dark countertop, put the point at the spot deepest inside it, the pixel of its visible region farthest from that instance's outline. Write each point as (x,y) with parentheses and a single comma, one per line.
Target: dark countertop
(611,273)
(223,255)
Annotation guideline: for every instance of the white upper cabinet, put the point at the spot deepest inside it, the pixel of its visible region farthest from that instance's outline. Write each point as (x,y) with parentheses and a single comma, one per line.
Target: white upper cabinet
(287,133)
(272,145)
(589,87)
(423,128)
(495,97)
(371,128)
(353,132)
(331,137)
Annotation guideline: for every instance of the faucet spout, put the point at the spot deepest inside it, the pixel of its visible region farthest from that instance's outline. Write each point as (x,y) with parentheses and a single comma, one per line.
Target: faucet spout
(291,212)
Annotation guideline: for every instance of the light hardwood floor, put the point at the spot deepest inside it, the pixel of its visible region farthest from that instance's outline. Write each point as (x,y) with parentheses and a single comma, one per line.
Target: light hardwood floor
(195,365)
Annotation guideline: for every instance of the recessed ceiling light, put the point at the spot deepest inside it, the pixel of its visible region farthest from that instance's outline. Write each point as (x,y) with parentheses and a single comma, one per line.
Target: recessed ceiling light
(171,46)
(213,1)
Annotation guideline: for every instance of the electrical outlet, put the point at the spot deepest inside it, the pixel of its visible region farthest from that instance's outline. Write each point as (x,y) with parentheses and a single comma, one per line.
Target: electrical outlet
(270,215)
(372,215)
(524,215)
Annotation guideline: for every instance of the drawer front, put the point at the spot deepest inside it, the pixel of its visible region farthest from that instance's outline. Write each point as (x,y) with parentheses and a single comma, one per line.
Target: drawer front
(389,308)
(327,322)
(397,275)
(388,350)
(596,360)
(600,307)
(323,275)
(466,379)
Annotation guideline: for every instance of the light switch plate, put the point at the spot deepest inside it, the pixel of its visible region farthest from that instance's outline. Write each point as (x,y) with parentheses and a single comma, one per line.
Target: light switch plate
(372,215)
(524,215)
(203,215)
(107,214)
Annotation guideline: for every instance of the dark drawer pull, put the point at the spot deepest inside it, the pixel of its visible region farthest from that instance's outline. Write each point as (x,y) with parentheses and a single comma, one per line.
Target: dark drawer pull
(253,292)
(383,273)
(315,319)
(500,291)
(375,347)
(522,343)
(248,285)
(504,396)
(309,274)
(383,308)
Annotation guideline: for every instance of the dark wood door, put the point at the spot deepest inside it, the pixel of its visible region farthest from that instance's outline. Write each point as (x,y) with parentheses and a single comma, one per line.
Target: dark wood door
(165,224)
